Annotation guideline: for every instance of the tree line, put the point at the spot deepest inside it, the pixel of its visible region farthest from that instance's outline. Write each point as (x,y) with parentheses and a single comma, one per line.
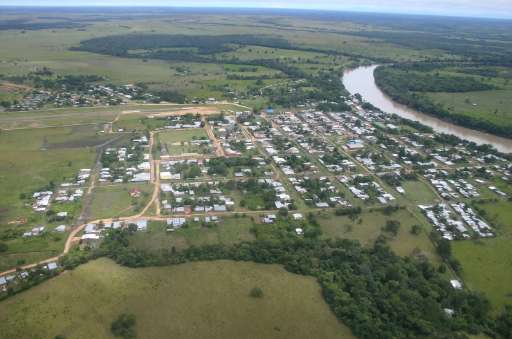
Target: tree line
(375,292)
(407,87)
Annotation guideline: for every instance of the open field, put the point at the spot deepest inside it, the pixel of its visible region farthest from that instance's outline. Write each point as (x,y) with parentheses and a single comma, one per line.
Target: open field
(115,200)
(494,106)
(486,263)
(367,228)
(180,141)
(418,192)
(30,159)
(229,231)
(59,117)
(190,300)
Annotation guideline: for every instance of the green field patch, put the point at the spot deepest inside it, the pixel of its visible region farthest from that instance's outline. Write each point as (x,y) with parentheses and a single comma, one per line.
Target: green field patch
(228,231)
(369,226)
(418,192)
(183,141)
(486,263)
(189,300)
(115,200)
(26,165)
(493,106)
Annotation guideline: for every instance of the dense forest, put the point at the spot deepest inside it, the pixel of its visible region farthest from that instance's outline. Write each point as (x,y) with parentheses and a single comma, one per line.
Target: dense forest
(404,84)
(375,292)
(119,45)
(494,52)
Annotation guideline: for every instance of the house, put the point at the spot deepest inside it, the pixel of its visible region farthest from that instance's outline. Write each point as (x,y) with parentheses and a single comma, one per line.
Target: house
(90,228)
(297,216)
(175,223)
(142,225)
(219,208)
(456,284)
(135,193)
(62,215)
(269,219)
(90,239)
(52,266)
(60,228)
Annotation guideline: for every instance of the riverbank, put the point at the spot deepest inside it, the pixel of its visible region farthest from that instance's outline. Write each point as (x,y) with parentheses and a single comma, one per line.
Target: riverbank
(361,80)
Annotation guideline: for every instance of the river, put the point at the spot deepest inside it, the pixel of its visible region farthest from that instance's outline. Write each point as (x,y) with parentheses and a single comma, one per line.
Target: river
(360,80)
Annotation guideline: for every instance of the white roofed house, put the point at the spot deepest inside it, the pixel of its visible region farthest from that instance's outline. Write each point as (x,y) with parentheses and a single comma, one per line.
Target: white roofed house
(142,225)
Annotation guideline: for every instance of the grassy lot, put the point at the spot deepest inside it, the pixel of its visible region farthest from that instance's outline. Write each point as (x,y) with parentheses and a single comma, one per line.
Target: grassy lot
(30,159)
(229,231)
(115,200)
(59,117)
(493,106)
(418,192)
(191,300)
(486,263)
(182,135)
(368,227)
(178,142)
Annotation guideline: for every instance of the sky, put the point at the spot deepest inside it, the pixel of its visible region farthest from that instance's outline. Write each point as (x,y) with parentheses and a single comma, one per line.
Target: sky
(477,8)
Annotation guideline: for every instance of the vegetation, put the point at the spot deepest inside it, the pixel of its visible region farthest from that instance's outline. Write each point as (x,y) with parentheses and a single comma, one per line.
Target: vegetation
(402,297)
(256,292)
(418,85)
(172,302)
(124,326)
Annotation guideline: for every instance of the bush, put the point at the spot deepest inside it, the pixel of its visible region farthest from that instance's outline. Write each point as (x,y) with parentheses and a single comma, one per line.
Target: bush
(124,326)
(3,247)
(256,292)
(392,226)
(504,323)
(416,229)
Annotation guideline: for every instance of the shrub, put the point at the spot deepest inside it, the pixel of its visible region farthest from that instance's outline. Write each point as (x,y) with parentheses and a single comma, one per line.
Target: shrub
(256,292)
(124,326)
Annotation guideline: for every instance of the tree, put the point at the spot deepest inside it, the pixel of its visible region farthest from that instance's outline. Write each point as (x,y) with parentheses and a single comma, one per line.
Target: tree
(444,248)
(124,326)
(504,323)
(392,226)
(256,292)
(416,229)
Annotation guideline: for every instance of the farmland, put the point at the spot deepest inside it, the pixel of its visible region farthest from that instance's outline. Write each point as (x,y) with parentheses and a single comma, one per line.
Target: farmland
(151,162)
(186,305)
(486,262)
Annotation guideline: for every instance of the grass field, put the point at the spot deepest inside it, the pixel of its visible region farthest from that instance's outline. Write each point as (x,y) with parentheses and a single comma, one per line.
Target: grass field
(115,200)
(229,231)
(418,192)
(178,142)
(30,159)
(494,105)
(368,227)
(486,263)
(195,300)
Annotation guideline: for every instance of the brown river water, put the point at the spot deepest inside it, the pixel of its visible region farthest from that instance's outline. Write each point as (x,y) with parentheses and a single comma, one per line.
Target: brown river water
(360,80)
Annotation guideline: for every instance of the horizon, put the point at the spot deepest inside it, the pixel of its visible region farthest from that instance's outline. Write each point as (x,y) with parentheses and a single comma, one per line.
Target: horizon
(278,6)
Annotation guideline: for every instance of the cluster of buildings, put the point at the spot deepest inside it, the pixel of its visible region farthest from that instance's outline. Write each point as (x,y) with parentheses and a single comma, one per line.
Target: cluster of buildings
(67,192)
(20,276)
(126,164)
(92,95)
(366,189)
(197,197)
(93,232)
